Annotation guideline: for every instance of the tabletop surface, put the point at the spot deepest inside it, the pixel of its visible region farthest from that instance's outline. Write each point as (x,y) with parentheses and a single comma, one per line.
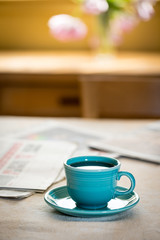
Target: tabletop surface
(122,63)
(32,218)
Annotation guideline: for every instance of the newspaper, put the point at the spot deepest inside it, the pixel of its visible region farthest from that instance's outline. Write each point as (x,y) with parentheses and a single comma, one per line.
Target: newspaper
(9,126)
(47,134)
(143,144)
(14,194)
(58,131)
(32,165)
(43,143)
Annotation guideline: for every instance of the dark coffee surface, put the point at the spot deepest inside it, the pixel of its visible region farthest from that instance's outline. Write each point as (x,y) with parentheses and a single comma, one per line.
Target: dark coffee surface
(92,165)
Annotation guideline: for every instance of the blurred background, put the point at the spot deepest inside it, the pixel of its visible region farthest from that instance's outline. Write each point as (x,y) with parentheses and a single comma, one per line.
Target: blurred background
(42,76)
(23,25)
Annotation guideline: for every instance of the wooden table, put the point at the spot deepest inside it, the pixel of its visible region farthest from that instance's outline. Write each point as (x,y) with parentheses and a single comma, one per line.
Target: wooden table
(32,218)
(72,84)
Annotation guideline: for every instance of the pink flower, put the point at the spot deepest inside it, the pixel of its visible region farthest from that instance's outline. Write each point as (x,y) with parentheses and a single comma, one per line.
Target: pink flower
(125,22)
(66,28)
(145,9)
(95,7)
(120,25)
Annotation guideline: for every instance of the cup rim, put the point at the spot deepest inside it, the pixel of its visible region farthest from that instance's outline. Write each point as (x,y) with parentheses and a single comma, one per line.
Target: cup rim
(117,166)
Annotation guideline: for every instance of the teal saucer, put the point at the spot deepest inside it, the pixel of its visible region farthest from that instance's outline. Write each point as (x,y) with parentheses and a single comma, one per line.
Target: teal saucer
(59,199)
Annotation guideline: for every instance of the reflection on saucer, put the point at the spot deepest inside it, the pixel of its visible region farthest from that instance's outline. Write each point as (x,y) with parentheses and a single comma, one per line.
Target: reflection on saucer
(66,203)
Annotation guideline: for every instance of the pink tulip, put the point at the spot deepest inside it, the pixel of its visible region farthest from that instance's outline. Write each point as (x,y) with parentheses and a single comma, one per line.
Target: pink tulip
(95,7)
(66,28)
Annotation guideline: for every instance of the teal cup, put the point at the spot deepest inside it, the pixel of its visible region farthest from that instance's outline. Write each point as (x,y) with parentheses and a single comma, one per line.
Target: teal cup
(92,180)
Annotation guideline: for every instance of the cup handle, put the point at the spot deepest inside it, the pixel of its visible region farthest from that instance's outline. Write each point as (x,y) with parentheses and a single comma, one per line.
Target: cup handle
(131,178)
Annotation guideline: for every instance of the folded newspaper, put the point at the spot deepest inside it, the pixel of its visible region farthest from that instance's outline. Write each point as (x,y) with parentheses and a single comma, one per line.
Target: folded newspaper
(32,159)
(32,166)
(143,144)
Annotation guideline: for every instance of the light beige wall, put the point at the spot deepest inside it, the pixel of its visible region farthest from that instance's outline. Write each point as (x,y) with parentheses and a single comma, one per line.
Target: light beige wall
(23,25)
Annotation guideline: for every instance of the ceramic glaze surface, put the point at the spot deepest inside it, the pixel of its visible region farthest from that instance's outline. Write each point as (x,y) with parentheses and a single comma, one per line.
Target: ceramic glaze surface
(60,200)
(93,188)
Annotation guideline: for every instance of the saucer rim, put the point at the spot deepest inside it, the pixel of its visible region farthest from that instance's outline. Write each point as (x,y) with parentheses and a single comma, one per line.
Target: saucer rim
(79,212)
